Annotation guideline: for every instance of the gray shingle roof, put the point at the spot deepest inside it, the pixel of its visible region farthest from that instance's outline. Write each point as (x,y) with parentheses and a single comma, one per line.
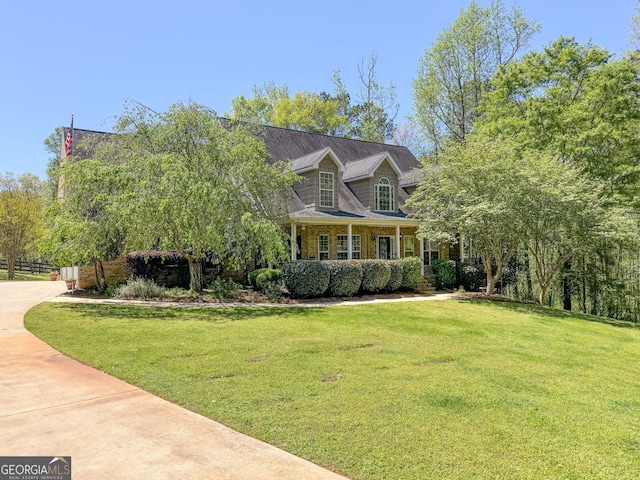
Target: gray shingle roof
(285,144)
(410,178)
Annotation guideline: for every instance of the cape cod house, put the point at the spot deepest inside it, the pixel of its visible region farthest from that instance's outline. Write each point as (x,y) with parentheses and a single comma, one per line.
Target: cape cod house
(350,203)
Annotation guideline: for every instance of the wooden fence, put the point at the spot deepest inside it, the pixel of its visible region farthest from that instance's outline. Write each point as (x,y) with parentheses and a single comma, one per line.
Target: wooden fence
(33,267)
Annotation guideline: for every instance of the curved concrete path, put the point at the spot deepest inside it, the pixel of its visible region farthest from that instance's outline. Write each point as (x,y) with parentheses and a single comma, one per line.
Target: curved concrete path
(52,405)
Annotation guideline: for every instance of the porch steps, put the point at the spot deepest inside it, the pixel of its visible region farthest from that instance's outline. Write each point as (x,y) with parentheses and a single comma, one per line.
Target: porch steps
(428,282)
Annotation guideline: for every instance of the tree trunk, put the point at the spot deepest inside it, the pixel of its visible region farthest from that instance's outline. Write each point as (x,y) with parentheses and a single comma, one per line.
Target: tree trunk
(11,267)
(101,281)
(195,275)
(543,293)
(527,272)
(566,286)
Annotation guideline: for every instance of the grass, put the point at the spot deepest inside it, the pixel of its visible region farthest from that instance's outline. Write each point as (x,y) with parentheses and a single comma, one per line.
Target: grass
(25,276)
(447,390)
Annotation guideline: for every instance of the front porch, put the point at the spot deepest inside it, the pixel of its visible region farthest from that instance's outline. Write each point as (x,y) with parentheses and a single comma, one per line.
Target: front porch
(355,241)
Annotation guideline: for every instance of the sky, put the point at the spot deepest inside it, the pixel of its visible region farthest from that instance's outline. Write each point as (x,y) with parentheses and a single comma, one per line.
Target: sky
(89,58)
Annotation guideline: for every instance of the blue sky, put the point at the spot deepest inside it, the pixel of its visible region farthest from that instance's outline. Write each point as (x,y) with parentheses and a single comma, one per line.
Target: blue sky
(88,58)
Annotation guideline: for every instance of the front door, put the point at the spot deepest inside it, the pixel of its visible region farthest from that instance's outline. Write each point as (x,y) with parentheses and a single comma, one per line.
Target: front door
(385,248)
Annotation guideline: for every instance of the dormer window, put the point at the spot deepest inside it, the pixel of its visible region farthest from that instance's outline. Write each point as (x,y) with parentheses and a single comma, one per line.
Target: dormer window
(385,195)
(326,190)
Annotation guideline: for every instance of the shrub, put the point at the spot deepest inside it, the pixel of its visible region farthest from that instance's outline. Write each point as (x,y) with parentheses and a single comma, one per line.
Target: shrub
(306,278)
(140,288)
(395,279)
(375,275)
(167,268)
(253,275)
(273,291)
(411,267)
(112,287)
(224,288)
(445,272)
(345,277)
(470,277)
(267,277)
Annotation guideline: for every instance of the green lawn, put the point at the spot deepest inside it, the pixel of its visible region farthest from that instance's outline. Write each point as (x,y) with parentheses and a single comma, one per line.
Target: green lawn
(19,276)
(416,390)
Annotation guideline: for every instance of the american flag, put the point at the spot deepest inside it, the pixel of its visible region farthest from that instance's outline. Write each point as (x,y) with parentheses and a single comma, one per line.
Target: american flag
(69,141)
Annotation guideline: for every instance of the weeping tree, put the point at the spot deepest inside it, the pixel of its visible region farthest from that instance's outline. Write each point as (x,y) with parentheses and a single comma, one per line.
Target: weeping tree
(187,181)
(85,224)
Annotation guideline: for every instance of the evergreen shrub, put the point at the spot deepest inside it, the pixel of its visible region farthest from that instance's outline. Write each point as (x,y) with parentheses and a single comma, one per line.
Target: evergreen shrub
(375,275)
(445,272)
(306,278)
(395,278)
(253,275)
(470,277)
(345,277)
(267,278)
(411,268)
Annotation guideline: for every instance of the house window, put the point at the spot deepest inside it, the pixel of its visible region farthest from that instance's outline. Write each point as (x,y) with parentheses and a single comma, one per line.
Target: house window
(326,189)
(323,247)
(431,252)
(408,246)
(343,247)
(385,195)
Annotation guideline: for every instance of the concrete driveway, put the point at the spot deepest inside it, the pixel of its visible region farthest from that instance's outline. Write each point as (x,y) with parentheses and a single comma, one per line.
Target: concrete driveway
(51,405)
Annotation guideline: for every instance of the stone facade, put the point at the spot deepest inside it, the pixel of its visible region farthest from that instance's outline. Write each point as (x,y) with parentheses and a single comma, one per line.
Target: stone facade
(113,271)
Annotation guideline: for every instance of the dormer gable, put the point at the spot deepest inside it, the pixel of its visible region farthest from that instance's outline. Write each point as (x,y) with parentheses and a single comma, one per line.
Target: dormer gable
(367,167)
(312,161)
(375,180)
(320,171)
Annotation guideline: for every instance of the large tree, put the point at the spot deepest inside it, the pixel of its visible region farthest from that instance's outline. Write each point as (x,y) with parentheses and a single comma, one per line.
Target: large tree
(561,212)
(372,116)
(578,104)
(20,217)
(368,115)
(188,181)
(306,111)
(471,193)
(455,72)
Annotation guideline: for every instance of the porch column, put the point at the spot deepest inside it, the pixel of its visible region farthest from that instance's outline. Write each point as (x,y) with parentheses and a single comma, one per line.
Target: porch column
(349,243)
(397,241)
(422,256)
(461,248)
(294,242)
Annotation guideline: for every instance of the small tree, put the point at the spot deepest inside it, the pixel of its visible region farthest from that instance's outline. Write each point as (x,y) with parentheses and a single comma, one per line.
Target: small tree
(20,217)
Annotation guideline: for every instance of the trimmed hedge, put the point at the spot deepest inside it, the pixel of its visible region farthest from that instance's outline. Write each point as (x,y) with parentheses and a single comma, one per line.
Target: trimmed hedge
(395,278)
(375,275)
(306,278)
(411,267)
(345,277)
(253,275)
(167,268)
(445,272)
(266,278)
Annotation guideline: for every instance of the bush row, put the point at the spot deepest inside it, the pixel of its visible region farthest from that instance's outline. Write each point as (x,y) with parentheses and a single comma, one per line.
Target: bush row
(344,278)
